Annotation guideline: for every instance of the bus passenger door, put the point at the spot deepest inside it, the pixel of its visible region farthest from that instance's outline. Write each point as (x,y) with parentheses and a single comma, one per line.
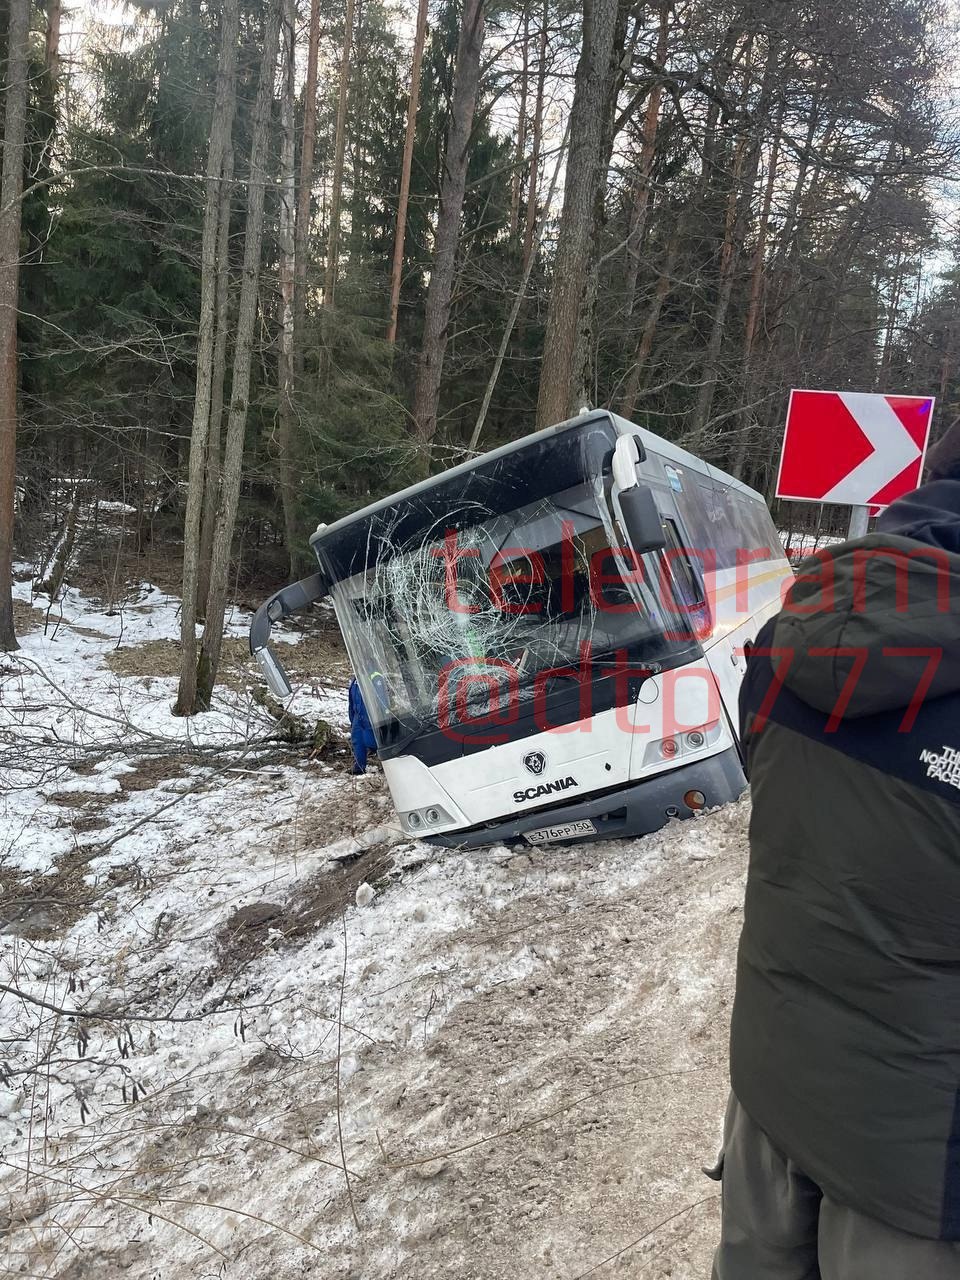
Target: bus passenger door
(700,591)
(728,663)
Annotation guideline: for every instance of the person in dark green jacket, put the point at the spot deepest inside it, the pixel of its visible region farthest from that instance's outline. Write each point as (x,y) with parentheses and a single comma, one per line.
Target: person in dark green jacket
(841,1152)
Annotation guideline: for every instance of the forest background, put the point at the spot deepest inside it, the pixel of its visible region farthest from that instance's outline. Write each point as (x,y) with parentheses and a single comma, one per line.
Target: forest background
(262,261)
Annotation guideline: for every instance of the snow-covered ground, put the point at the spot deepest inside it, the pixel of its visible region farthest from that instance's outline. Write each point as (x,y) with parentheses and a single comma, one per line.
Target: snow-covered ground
(251,1030)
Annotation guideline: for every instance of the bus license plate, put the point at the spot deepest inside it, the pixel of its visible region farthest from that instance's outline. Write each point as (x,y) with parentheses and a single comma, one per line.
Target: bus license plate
(564,831)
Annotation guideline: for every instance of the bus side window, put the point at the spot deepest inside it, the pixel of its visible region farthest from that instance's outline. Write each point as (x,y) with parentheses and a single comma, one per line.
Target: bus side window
(688,582)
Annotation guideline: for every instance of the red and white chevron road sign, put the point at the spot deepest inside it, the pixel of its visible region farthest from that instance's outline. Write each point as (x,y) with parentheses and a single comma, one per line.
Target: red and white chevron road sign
(853,447)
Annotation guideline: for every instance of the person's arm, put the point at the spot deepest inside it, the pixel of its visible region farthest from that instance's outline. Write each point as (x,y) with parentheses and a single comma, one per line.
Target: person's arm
(750,690)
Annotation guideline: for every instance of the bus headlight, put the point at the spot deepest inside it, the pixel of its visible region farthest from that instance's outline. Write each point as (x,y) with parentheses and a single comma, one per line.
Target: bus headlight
(681,743)
(422,819)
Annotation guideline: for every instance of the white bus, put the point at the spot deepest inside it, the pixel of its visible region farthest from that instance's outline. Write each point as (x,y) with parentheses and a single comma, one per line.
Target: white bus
(550,638)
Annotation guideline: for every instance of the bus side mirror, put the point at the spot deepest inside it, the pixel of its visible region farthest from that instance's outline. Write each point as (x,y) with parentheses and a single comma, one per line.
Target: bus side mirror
(278,682)
(641,519)
(299,595)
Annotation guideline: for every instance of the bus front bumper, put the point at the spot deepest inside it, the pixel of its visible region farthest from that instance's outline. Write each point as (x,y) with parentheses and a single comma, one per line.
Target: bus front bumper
(633,810)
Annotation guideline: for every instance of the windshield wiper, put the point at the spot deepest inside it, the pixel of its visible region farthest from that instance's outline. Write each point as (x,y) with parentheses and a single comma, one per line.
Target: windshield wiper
(402,740)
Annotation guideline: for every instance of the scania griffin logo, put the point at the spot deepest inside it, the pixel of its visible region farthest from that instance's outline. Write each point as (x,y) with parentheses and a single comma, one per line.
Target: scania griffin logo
(544,789)
(535,762)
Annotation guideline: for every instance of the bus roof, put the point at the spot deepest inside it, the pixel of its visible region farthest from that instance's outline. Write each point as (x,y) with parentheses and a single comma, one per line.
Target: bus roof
(656,444)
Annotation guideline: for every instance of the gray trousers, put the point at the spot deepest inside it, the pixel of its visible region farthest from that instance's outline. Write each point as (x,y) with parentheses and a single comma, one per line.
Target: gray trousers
(779,1225)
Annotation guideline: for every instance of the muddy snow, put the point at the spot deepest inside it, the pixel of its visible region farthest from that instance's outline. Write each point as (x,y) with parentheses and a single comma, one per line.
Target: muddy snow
(250,1030)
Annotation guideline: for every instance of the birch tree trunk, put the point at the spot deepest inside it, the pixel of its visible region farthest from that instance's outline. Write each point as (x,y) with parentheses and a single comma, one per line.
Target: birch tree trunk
(212,640)
(333,239)
(891,327)
(536,142)
(360,104)
(211,483)
(51,52)
(413,103)
(307,153)
(516,178)
(287,246)
(220,135)
(436,319)
(11,193)
(586,173)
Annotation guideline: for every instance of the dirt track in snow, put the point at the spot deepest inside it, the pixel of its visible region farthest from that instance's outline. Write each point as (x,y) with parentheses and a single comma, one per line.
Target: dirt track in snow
(528,1090)
(592,1088)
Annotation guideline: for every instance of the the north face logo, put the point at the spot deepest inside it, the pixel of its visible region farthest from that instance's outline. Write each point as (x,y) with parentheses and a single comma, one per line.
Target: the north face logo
(943,767)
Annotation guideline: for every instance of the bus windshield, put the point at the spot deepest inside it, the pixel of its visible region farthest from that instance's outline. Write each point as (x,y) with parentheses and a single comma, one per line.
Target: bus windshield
(448,619)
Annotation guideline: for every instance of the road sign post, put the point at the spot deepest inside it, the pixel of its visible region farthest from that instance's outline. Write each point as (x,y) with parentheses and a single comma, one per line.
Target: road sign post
(853,448)
(859,522)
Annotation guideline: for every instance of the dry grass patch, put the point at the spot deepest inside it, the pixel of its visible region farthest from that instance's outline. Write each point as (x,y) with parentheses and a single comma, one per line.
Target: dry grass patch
(109,567)
(45,906)
(318,654)
(317,657)
(149,770)
(26,618)
(82,799)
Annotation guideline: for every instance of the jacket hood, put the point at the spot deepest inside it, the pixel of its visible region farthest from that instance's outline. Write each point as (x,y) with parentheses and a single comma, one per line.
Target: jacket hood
(931,514)
(843,640)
